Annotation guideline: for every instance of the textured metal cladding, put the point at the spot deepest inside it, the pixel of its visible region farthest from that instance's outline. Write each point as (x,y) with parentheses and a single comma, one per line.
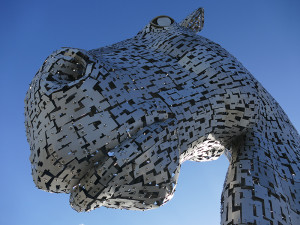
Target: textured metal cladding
(111,126)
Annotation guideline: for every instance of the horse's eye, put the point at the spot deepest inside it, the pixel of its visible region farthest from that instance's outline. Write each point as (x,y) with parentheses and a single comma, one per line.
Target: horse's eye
(162,21)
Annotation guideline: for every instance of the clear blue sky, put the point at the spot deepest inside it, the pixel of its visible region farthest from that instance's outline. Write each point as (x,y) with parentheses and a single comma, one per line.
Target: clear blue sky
(263,35)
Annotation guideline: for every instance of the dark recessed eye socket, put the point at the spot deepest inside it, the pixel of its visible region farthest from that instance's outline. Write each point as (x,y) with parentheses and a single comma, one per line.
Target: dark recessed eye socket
(162,21)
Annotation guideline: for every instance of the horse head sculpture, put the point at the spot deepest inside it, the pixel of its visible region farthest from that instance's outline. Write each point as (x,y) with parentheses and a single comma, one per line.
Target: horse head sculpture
(111,126)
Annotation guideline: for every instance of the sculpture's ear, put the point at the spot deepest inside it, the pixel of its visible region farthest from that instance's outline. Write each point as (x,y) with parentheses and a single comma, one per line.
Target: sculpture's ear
(194,21)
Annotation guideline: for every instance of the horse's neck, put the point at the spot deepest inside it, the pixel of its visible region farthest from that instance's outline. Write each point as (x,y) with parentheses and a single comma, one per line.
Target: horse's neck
(263,175)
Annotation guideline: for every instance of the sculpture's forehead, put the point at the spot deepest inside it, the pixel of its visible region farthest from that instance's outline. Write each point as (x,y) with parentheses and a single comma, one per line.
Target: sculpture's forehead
(157,50)
(132,52)
(127,56)
(128,65)
(135,75)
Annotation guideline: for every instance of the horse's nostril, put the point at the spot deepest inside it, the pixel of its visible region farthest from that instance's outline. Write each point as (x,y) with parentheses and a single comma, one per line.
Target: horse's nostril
(68,67)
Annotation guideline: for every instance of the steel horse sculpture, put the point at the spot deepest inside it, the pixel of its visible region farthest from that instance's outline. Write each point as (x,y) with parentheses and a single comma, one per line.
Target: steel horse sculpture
(111,126)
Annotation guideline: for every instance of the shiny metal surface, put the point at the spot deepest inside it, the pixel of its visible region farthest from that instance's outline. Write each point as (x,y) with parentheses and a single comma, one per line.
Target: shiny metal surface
(111,126)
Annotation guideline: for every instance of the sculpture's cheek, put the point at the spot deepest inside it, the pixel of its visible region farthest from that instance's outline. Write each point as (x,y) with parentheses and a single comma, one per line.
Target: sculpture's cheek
(141,173)
(127,187)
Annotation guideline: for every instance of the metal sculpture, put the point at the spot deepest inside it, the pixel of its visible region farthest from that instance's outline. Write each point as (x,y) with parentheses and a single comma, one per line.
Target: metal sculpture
(111,126)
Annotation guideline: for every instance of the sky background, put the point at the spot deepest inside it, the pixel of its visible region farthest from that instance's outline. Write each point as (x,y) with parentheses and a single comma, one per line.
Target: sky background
(263,35)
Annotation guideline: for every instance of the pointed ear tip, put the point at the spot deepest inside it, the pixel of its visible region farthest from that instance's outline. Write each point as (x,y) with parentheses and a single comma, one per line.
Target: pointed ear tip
(194,21)
(200,9)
